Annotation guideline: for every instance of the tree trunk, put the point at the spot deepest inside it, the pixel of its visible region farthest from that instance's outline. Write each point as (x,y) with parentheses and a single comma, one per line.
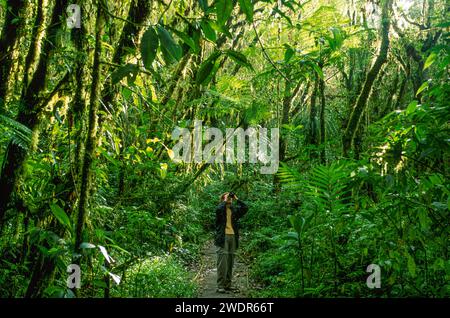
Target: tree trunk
(7,43)
(361,102)
(312,135)
(91,139)
(28,113)
(35,43)
(322,120)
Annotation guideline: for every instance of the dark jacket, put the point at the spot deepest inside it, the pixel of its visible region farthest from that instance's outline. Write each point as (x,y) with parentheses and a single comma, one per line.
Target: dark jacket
(237,211)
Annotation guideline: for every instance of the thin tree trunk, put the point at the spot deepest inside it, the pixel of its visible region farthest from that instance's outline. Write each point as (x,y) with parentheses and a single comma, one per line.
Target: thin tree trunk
(361,103)
(35,43)
(312,136)
(91,139)
(322,120)
(8,41)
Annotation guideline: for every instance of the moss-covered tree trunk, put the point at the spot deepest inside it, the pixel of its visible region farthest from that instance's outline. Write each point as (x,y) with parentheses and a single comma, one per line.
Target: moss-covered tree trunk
(322,120)
(91,138)
(361,102)
(31,105)
(8,40)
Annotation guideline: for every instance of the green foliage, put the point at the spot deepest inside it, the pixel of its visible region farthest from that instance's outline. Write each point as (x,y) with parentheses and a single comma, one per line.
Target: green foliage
(18,133)
(129,71)
(247,7)
(156,277)
(172,52)
(149,47)
(224,9)
(239,58)
(311,230)
(207,68)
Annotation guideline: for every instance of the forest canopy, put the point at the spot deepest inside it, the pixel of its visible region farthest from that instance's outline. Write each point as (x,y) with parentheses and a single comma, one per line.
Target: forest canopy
(354,96)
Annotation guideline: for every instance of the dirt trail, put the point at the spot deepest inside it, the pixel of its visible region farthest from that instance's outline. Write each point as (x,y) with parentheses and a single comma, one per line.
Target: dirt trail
(208,275)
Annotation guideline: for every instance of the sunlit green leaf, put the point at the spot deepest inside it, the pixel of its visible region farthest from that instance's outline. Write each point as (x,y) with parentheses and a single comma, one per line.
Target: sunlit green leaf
(224,8)
(171,50)
(208,31)
(60,215)
(422,88)
(430,60)
(247,8)
(206,68)
(149,46)
(239,58)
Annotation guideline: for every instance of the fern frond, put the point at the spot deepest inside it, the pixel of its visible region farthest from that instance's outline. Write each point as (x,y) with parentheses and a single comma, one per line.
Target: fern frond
(289,176)
(17,132)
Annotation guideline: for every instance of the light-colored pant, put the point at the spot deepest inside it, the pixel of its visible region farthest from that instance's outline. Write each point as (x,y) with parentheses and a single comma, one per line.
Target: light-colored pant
(225,260)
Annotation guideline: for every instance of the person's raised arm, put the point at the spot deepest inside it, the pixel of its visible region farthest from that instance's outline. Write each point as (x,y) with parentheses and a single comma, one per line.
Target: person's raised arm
(242,208)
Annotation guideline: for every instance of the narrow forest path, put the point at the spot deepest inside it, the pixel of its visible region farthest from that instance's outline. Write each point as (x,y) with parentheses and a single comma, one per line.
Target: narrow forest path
(207,275)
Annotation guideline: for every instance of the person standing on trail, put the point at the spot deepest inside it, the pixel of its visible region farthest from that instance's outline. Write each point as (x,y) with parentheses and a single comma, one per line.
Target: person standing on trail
(227,237)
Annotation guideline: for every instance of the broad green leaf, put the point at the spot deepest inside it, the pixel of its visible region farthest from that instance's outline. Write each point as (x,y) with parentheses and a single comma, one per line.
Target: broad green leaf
(129,71)
(247,8)
(188,40)
(411,265)
(424,220)
(171,50)
(288,54)
(203,5)
(224,8)
(239,58)
(99,283)
(149,46)
(411,107)
(208,31)
(317,69)
(422,88)
(206,68)
(293,236)
(60,215)
(87,245)
(430,60)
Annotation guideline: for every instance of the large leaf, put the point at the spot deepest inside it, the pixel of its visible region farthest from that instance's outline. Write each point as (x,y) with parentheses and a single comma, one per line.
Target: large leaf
(422,88)
(60,215)
(430,60)
(289,53)
(87,245)
(149,46)
(411,265)
(188,40)
(411,107)
(171,50)
(239,58)
(224,8)
(208,31)
(129,70)
(203,5)
(206,68)
(247,8)
(317,69)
